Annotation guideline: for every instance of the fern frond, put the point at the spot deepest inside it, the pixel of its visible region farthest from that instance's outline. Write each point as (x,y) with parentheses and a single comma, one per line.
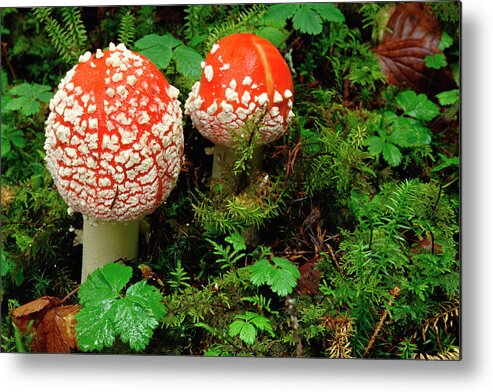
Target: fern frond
(243,21)
(126,34)
(67,36)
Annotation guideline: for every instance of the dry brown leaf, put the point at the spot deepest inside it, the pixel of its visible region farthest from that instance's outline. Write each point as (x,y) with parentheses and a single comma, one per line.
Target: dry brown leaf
(413,34)
(56,332)
(53,325)
(309,281)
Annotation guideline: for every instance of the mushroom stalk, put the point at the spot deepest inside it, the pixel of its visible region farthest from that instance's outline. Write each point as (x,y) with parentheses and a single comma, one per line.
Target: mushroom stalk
(223,163)
(106,242)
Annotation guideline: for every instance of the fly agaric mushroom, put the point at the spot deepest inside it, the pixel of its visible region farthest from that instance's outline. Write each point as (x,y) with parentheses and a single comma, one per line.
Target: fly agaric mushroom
(245,80)
(114,145)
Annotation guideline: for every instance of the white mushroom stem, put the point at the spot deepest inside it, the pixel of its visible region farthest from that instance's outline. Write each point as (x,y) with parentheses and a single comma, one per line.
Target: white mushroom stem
(105,242)
(223,163)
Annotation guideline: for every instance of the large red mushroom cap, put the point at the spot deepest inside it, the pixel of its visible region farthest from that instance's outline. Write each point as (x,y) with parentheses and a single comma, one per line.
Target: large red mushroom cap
(114,137)
(244,78)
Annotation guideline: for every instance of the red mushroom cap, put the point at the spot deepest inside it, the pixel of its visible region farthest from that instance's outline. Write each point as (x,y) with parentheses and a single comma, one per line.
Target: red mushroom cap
(244,78)
(114,137)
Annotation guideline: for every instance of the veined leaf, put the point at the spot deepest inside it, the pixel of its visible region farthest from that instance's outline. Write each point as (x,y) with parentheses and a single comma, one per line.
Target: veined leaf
(409,132)
(448,97)
(392,154)
(281,12)
(237,241)
(306,20)
(417,105)
(107,313)
(327,11)
(157,48)
(436,61)
(188,62)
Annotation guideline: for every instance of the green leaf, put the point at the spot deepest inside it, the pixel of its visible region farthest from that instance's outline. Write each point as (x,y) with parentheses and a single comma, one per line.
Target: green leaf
(260,272)
(306,20)
(375,145)
(446,162)
(27,106)
(157,48)
(436,61)
(417,106)
(275,35)
(279,13)
(237,241)
(261,322)
(28,98)
(392,154)
(247,332)
(188,62)
(446,41)
(105,283)
(106,313)
(409,132)
(448,97)
(282,281)
(327,11)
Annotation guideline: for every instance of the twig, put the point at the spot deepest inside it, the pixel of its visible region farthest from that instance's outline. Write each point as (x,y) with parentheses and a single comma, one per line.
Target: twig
(395,293)
(294,324)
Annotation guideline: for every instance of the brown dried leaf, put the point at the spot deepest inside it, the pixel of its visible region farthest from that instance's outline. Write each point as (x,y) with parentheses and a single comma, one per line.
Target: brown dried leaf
(53,324)
(309,281)
(34,310)
(414,33)
(427,245)
(56,332)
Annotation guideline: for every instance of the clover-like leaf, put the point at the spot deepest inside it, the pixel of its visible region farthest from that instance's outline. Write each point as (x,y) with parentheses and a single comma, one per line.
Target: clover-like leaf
(417,105)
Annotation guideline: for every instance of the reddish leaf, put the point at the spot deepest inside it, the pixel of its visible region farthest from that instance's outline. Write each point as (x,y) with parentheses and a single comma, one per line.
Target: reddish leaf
(34,310)
(56,332)
(427,245)
(53,324)
(309,280)
(414,33)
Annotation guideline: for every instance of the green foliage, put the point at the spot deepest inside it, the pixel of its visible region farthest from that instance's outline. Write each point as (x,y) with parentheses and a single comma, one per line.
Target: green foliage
(66,30)
(417,105)
(307,17)
(126,35)
(276,272)
(247,326)
(447,98)
(161,49)
(27,97)
(107,313)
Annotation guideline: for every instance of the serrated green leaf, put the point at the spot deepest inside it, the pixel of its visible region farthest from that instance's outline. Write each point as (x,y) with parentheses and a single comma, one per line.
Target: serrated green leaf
(147,297)
(282,281)
(375,145)
(446,98)
(260,272)
(6,146)
(95,325)
(392,154)
(188,62)
(134,322)
(261,322)
(327,11)
(285,264)
(26,105)
(279,13)
(106,313)
(157,48)
(237,241)
(436,61)
(105,283)
(417,106)
(446,41)
(408,132)
(247,331)
(307,21)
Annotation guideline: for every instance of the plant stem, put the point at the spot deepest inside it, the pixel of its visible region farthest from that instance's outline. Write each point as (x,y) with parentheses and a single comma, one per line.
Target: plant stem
(223,163)
(106,242)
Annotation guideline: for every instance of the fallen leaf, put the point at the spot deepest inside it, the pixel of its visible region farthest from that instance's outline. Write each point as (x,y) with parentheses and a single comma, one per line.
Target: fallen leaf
(426,245)
(309,280)
(56,332)
(53,325)
(413,33)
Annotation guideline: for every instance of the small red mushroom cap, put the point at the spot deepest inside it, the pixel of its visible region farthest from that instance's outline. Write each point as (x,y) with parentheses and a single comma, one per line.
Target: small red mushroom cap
(244,78)
(114,137)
